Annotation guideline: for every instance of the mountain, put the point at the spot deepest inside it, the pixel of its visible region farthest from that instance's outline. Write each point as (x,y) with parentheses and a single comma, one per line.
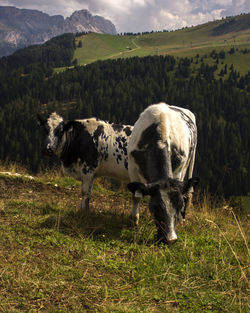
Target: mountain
(22,27)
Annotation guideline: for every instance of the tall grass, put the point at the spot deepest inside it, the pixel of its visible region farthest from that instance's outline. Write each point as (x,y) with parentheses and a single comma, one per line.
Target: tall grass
(12,167)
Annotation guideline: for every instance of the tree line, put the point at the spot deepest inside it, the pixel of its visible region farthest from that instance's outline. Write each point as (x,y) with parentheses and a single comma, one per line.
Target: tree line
(118,91)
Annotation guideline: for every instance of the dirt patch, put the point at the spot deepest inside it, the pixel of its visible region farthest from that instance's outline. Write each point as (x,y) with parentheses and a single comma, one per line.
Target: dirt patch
(22,189)
(31,190)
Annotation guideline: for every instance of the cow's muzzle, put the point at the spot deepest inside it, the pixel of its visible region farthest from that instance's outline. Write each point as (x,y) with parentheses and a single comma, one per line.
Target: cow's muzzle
(48,151)
(162,237)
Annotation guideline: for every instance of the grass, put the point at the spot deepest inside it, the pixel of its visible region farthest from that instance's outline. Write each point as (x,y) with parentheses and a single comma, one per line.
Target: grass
(101,47)
(50,261)
(246,203)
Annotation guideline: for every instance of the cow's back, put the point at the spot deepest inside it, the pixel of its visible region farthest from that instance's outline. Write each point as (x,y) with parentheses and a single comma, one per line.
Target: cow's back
(111,141)
(176,136)
(173,124)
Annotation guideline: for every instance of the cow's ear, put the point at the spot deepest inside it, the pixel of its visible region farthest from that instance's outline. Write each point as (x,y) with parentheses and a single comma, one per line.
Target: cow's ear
(190,184)
(137,189)
(41,119)
(142,189)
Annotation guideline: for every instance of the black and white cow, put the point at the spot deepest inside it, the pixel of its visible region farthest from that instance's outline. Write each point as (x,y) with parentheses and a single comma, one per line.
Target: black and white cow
(88,148)
(161,152)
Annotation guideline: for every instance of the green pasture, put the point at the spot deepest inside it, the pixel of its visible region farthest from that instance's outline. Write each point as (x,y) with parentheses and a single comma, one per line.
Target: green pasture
(181,43)
(53,261)
(101,47)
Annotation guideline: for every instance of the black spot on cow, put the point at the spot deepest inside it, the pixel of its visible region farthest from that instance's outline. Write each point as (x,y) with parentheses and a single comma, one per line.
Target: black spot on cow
(117,127)
(122,144)
(105,137)
(79,145)
(104,152)
(126,164)
(98,132)
(152,160)
(150,136)
(128,130)
(140,159)
(176,157)
(118,158)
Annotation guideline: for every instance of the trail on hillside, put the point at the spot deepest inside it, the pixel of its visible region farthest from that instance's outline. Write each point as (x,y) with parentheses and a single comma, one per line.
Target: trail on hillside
(127,51)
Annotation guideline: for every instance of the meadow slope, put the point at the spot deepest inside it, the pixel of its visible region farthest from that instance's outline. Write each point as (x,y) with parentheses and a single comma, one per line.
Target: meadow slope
(50,261)
(202,39)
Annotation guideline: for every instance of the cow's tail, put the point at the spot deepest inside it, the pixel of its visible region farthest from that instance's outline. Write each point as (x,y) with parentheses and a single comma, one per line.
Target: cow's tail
(192,160)
(163,128)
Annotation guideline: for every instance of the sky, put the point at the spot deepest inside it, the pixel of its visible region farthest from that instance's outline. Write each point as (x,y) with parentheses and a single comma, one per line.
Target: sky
(142,15)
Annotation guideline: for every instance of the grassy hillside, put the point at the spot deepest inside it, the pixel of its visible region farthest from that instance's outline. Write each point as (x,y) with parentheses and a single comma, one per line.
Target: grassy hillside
(102,46)
(50,261)
(202,39)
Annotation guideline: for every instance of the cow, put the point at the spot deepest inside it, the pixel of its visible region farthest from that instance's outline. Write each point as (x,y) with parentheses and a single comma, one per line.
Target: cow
(88,148)
(161,152)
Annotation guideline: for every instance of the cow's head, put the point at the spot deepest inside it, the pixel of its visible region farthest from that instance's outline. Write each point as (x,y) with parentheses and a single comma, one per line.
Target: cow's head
(54,128)
(167,200)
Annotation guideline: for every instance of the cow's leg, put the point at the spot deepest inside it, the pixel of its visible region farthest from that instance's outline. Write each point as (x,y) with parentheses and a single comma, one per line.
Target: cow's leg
(134,176)
(87,184)
(135,210)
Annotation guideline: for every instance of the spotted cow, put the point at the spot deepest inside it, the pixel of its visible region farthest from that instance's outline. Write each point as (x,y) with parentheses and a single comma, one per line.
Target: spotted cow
(88,148)
(161,152)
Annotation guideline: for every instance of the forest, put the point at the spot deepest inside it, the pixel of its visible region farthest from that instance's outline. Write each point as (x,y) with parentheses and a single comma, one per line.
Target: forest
(118,91)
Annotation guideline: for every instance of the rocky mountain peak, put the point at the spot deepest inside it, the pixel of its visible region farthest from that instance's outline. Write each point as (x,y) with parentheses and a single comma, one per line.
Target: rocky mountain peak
(23,27)
(81,14)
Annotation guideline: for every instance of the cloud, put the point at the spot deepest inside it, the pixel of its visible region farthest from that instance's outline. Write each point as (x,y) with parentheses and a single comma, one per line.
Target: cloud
(142,15)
